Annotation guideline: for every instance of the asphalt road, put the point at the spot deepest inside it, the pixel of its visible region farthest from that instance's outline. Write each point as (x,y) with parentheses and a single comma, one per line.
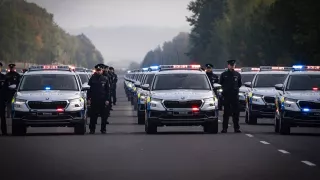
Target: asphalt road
(185,153)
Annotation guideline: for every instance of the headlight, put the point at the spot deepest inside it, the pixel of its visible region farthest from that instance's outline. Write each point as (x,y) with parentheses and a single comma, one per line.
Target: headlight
(76,102)
(209,100)
(290,104)
(210,104)
(142,97)
(155,101)
(19,101)
(241,93)
(256,97)
(155,104)
(219,90)
(19,104)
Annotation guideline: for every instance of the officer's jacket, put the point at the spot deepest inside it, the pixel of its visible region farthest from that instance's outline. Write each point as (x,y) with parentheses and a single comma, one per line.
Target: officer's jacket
(99,88)
(114,80)
(212,77)
(2,91)
(12,77)
(230,81)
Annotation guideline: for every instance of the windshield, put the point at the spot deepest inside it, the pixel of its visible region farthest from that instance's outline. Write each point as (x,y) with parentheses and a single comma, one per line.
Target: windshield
(247,77)
(303,82)
(84,78)
(150,78)
(181,81)
(49,82)
(269,80)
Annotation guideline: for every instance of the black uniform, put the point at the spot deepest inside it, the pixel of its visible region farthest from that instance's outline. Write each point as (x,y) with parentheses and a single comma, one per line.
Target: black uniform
(3,104)
(98,94)
(12,77)
(212,77)
(230,81)
(114,80)
(107,75)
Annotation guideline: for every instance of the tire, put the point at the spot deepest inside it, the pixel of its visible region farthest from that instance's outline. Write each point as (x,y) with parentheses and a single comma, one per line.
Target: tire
(246,119)
(284,128)
(211,128)
(135,106)
(252,119)
(141,118)
(276,124)
(132,102)
(18,128)
(150,128)
(80,128)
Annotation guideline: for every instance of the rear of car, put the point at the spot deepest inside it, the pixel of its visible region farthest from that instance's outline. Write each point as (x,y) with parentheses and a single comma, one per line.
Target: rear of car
(299,102)
(181,95)
(49,96)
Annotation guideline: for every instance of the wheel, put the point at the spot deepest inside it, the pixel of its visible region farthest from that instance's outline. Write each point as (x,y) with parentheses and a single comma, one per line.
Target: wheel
(276,124)
(135,106)
(246,119)
(80,128)
(211,128)
(284,127)
(150,128)
(18,128)
(128,98)
(251,119)
(141,118)
(132,102)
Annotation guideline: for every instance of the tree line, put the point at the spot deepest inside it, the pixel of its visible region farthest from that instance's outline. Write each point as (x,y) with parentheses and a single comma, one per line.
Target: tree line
(255,32)
(28,33)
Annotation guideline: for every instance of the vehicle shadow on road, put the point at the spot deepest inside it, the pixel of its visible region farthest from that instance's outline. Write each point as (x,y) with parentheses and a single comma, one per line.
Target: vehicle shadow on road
(291,134)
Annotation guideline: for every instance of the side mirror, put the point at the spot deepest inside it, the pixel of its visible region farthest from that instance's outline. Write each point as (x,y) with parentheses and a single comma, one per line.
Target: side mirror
(145,87)
(216,86)
(13,86)
(279,87)
(247,84)
(137,84)
(85,87)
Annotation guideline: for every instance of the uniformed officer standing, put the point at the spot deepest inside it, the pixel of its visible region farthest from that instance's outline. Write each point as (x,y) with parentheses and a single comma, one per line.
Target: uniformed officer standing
(114,85)
(98,96)
(12,77)
(230,81)
(2,103)
(212,77)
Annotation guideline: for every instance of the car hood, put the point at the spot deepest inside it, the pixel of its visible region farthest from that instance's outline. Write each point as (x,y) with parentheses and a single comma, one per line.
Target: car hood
(44,95)
(182,94)
(304,95)
(244,89)
(265,91)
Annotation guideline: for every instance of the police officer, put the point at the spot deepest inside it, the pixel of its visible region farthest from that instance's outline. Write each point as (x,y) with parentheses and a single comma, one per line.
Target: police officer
(114,85)
(230,81)
(12,77)
(212,77)
(98,96)
(108,75)
(2,102)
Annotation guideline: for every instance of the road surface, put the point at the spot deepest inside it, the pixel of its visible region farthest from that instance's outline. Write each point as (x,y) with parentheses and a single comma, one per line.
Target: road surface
(185,153)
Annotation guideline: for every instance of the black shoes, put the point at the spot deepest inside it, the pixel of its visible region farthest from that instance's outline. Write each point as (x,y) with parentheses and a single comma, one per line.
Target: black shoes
(224,131)
(103,131)
(236,131)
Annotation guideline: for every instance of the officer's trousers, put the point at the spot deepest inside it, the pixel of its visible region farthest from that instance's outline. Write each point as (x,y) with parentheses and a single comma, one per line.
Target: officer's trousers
(96,109)
(231,108)
(113,96)
(3,118)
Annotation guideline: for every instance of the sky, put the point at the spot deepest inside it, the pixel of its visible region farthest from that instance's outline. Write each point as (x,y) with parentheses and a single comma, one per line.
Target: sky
(96,18)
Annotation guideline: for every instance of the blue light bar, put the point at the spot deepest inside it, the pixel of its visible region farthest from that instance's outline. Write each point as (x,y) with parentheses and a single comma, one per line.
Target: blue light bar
(47,88)
(154,67)
(305,110)
(305,68)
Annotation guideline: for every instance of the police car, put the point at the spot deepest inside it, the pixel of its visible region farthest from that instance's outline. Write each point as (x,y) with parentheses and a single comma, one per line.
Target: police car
(181,95)
(298,104)
(142,94)
(48,96)
(247,75)
(260,100)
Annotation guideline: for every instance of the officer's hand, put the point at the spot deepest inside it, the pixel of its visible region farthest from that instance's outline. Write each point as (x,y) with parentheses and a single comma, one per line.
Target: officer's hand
(107,103)
(89,102)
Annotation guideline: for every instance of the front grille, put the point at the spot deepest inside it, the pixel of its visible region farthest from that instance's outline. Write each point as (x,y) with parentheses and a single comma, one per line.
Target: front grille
(309,105)
(183,104)
(269,99)
(47,105)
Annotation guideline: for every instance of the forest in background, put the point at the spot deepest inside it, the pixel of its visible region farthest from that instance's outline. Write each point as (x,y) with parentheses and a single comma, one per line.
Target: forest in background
(254,32)
(29,34)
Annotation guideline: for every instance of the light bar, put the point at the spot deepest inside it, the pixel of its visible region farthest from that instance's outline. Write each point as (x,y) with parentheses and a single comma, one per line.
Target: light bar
(305,68)
(154,67)
(249,69)
(49,67)
(218,70)
(173,67)
(145,69)
(79,69)
(275,68)
(237,69)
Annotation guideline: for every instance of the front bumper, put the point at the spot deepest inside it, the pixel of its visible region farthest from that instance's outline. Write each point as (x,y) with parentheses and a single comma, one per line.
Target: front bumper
(302,119)
(263,111)
(188,118)
(49,119)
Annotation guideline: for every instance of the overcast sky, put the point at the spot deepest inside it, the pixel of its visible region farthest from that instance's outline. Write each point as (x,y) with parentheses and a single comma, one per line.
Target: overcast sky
(100,21)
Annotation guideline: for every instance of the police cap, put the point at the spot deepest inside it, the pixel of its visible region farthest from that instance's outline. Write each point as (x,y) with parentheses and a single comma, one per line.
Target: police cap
(231,62)
(1,64)
(209,66)
(12,65)
(111,68)
(106,66)
(99,66)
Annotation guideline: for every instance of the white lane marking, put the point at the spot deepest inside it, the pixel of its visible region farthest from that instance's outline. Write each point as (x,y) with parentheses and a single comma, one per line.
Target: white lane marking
(264,142)
(308,163)
(229,125)
(219,121)
(283,151)
(249,135)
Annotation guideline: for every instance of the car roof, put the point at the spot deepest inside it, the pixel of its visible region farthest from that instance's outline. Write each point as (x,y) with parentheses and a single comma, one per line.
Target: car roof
(249,72)
(49,72)
(304,72)
(81,72)
(181,72)
(273,72)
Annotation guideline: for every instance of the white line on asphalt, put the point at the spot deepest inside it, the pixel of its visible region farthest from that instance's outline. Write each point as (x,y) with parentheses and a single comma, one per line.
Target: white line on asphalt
(308,163)
(219,121)
(283,151)
(264,142)
(249,135)
(229,125)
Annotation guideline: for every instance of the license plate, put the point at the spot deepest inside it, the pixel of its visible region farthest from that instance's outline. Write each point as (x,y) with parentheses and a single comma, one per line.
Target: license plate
(271,106)
(47,114)
(180,113)
(316,114)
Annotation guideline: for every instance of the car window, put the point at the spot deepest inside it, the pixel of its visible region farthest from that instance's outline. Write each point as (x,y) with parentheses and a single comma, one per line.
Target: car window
(303,82)
(269,80)
(181,81)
